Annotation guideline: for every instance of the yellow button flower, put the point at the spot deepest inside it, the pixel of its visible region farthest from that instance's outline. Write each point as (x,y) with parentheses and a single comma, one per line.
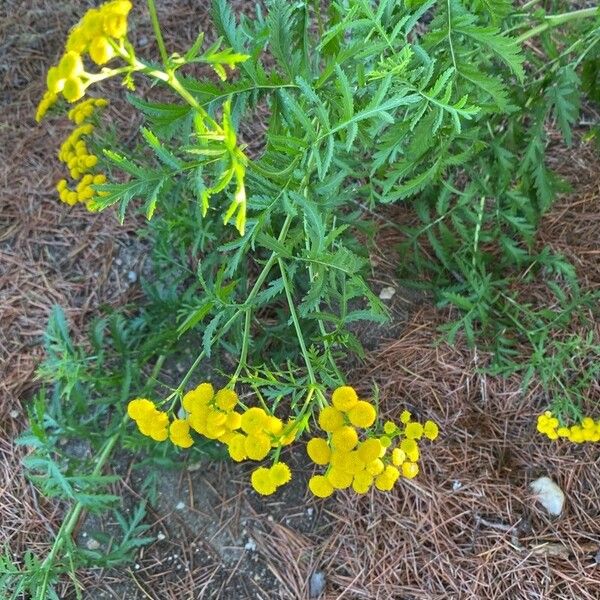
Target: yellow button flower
(339,479)
(375,467)
(345,438)
(410,470)
(179,433)
(101,50)
(411,449)
(254,420)
(280,474)
(320,486)
(74,89)
(414,431)
(236,447)
(257,446)
(198,397)
(362,482)
(398,457)
(362,414)
(318,451)
(370,449)
(226,399)
(330,419)
(431,430)
(344,398)
(386,480)
(262,481)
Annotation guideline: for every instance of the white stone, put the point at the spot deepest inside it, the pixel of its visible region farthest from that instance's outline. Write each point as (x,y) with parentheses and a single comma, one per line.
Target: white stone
(550,496)
(387,293)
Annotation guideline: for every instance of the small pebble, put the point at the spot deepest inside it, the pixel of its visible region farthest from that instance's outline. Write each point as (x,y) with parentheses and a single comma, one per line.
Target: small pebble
(387,293)
(118,262)
(132,276)
(456,485)
(14,414)
(310,511)
(550,496)
(92,544)
(160,536)
(316,584)
(180,506)
(250,545)
(270,518)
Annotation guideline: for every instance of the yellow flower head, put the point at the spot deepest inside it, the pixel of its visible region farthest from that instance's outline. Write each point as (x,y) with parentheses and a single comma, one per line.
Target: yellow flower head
(139,408)
(254,420)
(234,420)
(280,474)
(386,480)
(411,449)
(320,486)
(413,431)
(370,449)
(410,470)
(226,399)
(431,430)
(237,447)
(330,419)
(375,467)
(274,425)
(199,397)
(344,398)
(339,479)
(405,417)
(362,414)
(398,457)
(345,438)
(362,482)
(257,446)
(389,427)
(179,433)
(318,451)
(262,481)
(150,421)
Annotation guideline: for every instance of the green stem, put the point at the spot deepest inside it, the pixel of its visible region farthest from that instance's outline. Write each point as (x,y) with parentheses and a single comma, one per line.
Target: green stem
(243,309)
(157,32)
(72,516)
(556,20)
(296,322)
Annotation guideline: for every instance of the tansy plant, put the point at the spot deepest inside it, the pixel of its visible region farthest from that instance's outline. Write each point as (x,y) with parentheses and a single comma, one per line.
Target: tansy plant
(368,103)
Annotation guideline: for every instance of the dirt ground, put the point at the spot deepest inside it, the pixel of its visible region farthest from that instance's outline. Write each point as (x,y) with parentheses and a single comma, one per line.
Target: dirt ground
(466,528)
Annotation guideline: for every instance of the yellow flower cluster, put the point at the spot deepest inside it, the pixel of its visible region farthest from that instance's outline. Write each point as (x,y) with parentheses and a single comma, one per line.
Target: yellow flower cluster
(586,431)
(250,434)
(95,35)
(75,154)
(150,421)
(371,462)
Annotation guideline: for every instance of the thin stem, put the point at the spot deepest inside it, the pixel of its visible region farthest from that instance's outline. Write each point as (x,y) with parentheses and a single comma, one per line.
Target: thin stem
(450,35)
(556,20)
(157,32)
(296,322)
(244,308)
(245,344)
(72,517)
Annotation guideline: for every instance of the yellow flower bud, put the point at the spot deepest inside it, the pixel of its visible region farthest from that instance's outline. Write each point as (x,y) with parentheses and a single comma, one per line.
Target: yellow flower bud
(74,89)
(101,51)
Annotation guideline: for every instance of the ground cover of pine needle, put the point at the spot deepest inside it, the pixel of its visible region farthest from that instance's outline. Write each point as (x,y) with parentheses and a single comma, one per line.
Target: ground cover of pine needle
(466,528)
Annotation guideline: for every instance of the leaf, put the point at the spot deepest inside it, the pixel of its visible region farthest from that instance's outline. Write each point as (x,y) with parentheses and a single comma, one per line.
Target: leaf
(564,97)
(505,48)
